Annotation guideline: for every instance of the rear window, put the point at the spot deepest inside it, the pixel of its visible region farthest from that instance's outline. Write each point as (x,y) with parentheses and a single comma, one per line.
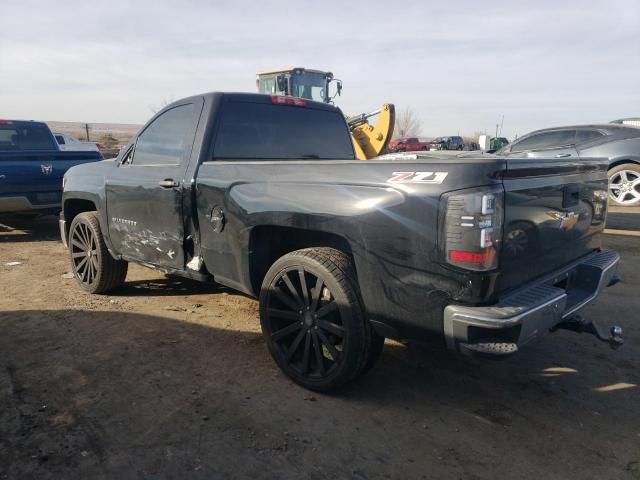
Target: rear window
(19,136)
(261,131)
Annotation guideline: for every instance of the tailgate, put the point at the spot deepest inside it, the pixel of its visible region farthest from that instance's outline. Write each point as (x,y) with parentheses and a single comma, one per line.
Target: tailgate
(554,213)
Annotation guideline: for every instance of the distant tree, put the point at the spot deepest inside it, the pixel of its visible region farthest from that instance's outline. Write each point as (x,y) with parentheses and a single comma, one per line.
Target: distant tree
(407,124)
(165,101)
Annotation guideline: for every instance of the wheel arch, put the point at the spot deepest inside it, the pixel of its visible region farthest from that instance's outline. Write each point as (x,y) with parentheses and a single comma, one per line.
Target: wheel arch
(267,243)
(72,207)
(622,161)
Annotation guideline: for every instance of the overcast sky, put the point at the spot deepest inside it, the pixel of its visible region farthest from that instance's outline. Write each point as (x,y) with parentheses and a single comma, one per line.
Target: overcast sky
(460,65)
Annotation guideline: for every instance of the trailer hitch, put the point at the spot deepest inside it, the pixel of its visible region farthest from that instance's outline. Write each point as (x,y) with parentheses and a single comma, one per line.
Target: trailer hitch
(579,325)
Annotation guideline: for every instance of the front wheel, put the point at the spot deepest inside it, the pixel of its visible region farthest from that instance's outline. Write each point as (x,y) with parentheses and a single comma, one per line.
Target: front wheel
(312,319)
(624,185)
(95,270)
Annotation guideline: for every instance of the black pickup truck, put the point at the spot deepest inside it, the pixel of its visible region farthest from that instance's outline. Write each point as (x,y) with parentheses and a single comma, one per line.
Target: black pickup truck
(263,194)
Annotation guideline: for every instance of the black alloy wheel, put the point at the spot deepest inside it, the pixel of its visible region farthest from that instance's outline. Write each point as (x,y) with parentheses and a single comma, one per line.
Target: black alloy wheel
(95,270)
(312,319)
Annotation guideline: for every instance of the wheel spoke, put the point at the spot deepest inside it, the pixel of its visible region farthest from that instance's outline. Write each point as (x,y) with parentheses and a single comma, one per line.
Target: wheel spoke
(94,262)
(278,313)
(329,344)
(90,275)
(328,308)
(623,176)
(285,299)
(81,263)
(295,345)
(316,349)
(77,244)
(283,332)
(303,286)
(78,254)
(317,292)
(292,289)
(83,235)
(307,351)
(84,272)
(331,327)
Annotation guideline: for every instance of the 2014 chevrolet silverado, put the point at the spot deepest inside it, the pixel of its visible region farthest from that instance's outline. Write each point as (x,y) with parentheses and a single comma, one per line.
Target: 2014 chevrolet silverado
(263,194)
(32,167)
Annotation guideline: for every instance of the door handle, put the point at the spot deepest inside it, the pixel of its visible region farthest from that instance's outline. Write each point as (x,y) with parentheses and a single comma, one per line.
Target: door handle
(168,183)
(2,177)
(563,155)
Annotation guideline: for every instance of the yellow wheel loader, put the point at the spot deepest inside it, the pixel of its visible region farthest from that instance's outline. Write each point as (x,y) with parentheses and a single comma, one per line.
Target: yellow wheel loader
(368,140)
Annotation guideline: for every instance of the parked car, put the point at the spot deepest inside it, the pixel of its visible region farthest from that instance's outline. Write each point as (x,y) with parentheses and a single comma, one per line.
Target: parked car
(411,144)
(32,167)
(496,143)
(447,143)
(342,253)
(68,143)
(618,142)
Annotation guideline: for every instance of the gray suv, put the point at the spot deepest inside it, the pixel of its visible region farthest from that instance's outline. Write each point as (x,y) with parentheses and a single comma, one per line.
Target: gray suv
(619,143)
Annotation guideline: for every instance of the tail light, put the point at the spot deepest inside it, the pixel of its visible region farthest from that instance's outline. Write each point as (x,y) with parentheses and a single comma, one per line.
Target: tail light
(472,228)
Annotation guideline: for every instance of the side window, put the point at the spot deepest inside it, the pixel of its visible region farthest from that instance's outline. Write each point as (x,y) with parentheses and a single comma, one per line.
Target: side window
(412,140)
(60,139)
(557,138)
(166,139)
(583,136)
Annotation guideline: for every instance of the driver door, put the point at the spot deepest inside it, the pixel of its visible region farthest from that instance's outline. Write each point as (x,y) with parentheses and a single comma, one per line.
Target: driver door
(145,193)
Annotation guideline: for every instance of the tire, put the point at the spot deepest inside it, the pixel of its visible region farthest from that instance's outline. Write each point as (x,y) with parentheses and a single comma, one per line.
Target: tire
(95,270)
(312,319)
(624,185)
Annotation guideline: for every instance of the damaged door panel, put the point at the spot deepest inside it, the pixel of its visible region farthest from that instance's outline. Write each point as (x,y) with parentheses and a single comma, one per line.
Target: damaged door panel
(145,193)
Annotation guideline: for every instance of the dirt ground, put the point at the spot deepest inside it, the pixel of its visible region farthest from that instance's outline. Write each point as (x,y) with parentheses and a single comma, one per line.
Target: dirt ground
(171,379)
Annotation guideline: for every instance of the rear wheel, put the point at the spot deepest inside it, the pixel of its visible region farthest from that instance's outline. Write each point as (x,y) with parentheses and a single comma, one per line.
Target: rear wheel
(312,319)
(95,270)
(624,185)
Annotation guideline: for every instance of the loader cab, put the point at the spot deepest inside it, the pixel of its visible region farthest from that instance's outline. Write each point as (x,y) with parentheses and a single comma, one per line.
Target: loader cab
(299,82)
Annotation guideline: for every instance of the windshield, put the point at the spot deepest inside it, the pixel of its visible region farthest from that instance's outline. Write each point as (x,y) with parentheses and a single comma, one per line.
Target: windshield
(309,85)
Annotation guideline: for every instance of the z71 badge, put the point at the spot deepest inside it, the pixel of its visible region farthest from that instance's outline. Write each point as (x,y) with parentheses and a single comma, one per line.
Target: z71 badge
(418,177)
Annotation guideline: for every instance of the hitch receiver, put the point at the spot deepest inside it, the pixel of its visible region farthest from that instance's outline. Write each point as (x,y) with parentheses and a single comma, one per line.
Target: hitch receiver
(579,325)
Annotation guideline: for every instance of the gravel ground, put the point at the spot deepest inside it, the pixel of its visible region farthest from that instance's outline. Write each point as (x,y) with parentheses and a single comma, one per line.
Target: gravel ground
(171,379)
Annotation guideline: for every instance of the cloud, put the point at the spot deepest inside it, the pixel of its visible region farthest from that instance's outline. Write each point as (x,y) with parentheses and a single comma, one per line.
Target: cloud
(461,65)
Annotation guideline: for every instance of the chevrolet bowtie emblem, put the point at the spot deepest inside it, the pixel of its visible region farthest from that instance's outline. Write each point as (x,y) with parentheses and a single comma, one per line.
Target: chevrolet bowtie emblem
(567,220)
(46,169)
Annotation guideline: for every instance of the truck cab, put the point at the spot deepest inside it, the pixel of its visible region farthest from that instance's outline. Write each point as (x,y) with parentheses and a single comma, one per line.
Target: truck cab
(298,82)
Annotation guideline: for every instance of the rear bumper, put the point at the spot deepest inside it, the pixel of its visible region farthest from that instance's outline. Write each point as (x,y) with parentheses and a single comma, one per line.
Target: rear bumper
(531,311)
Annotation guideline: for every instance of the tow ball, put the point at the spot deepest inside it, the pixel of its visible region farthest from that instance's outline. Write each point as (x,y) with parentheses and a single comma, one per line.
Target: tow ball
(579,325)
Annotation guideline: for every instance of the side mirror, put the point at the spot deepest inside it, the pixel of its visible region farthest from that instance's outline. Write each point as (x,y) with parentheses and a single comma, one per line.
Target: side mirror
(339,86)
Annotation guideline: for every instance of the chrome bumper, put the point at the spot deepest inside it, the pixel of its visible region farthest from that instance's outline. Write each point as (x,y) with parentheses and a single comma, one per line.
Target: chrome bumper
(531,311)
(62,223)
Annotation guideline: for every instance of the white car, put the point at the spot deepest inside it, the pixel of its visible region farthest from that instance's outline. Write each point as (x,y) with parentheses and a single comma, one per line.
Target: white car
(69,143)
